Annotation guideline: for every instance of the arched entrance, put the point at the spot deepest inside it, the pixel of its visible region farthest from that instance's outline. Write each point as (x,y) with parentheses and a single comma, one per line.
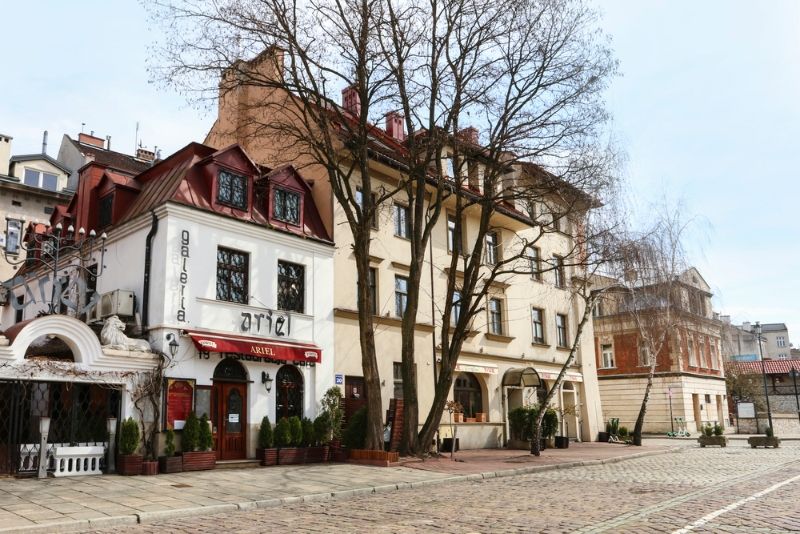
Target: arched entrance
(289,395)
(229,404)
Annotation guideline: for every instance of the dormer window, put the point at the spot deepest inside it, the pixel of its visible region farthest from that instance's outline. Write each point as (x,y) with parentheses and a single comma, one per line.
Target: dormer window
(106,211)
(232,190)
(286,206)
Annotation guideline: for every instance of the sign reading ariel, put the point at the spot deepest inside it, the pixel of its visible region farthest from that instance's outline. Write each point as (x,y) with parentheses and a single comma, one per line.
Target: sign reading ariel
(261,348)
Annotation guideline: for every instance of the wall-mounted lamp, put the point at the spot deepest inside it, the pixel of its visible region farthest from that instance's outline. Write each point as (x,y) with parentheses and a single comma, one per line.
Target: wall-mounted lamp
(173,344)
(266,380)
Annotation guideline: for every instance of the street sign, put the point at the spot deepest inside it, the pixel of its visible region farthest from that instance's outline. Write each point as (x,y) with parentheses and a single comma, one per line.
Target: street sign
(339,380)
(746,410)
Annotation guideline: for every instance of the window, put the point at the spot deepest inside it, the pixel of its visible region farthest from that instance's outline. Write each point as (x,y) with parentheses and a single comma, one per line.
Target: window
(402,224)
(599,308)
(561,329)
(453,244)
(360,201)
(491,248)
(496,316)
(232,190)
(712,347)
(397,374)
(19,313)
(467,392)
(701,349)
(232,271)
(48,210)
(607,352)
(291,286)
(400,295)
(556,222)
(644,355)
(781,341)
(372,281)
(473,177)
(455,310)
(692,353)
(286,206)
(43,180)
(16,203)
(106,211)
(537,319)
(558,271)
(535,258)
(450,166)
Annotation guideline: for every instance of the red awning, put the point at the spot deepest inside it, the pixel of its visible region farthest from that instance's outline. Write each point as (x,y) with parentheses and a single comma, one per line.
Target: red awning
(269,349)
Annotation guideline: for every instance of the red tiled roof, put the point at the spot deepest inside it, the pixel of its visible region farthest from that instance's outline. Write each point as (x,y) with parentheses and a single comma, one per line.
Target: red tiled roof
(771,367)
(116,160)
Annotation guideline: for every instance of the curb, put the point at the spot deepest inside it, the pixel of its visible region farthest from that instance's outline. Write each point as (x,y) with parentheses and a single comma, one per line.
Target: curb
(149,517)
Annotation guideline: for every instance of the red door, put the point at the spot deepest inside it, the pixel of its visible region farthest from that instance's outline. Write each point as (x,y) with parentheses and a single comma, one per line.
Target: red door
(231,401)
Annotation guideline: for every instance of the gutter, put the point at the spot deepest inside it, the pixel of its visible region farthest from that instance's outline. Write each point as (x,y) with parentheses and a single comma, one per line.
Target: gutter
(148,255)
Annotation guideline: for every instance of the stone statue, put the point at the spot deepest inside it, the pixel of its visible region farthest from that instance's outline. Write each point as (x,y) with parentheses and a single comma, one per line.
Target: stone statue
(113,337)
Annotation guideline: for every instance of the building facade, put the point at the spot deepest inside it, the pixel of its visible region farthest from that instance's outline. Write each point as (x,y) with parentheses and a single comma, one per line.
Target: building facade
(689,380)
(528,316)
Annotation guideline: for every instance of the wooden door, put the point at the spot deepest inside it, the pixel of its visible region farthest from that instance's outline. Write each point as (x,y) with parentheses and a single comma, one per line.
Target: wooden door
(355,396)
(231,420)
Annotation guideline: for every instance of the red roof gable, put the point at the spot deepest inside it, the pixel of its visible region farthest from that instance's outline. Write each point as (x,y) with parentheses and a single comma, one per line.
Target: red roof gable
(771,367)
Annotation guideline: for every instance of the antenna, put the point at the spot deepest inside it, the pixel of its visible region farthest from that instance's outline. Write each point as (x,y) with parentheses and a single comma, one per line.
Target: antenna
(83,125)
(136,138)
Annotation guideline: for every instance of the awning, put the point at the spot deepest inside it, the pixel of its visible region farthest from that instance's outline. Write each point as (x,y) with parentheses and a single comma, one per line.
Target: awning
(268,349)
(521,377)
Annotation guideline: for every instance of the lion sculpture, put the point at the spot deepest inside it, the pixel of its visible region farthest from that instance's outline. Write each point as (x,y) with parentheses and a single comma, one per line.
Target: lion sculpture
(113,336)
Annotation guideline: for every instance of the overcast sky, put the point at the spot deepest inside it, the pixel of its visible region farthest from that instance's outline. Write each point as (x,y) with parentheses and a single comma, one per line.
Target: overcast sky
(707,110)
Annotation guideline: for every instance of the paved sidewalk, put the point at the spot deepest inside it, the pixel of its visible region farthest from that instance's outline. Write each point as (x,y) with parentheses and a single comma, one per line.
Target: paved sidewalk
(92,502)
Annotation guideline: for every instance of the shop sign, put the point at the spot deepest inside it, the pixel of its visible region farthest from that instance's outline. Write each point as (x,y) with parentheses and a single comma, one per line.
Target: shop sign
(183,278)
(472,368)
(277,324)
(180,401)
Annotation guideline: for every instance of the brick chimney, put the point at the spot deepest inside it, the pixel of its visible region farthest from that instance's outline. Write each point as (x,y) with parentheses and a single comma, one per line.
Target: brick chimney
(351,101)
(145,155)
(5,153)
(395,125)
(469,134)
(90,139)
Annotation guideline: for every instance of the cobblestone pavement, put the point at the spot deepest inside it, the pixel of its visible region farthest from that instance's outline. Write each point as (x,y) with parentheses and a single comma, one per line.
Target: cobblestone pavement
(735,489)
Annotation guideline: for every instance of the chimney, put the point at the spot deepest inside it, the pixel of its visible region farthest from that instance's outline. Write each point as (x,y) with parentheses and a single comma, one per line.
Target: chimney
(44,143)
(88,139)
(145,155)
(5,153)
(395,126)
(108,142)
(469,134)
(351,102)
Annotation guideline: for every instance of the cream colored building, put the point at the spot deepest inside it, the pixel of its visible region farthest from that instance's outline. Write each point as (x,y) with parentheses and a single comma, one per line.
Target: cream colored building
(494,348)
(30,187)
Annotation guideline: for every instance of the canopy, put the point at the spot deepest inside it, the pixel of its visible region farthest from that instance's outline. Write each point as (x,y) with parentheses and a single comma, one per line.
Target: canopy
(521,377)
(269,349)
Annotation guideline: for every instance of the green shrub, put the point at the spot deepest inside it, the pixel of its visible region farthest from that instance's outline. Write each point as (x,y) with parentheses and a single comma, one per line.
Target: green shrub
(717,429)
(322,428)
(169,442)
(769,432)
(283,433)
(128,437)
(549,423)
(608,427)
(331,405)
(355,435)
(623,432)
(296,431)
(707,430)
(518,423)
(206,439)
(309,436)
(191,433)
(265,438)
(614,426)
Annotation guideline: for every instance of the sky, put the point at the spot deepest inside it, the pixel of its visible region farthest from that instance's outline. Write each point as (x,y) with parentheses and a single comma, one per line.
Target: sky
(706,110)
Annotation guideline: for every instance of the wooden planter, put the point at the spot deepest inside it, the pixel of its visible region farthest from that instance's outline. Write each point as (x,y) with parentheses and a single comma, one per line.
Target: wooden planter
(291,455)
(267,456)
(317,454)
(763,441)
(562,442)
(458,417)
(170,464)
(149,467)
(129,464)
(199,460)
(370,457)
(718,441)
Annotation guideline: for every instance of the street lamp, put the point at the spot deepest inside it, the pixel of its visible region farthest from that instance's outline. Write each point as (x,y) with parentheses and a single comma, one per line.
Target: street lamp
(795,373)
(763,372)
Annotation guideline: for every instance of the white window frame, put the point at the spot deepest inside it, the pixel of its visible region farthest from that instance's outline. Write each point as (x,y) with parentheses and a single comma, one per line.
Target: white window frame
(607,356)
(40,181)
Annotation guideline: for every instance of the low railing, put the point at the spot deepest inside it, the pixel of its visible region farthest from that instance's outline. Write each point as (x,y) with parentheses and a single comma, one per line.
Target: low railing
(77,461)
(29,455)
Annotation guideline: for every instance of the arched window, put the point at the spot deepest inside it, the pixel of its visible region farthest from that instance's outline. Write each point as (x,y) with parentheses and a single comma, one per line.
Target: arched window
(230,370)
(289,395)
(467,391)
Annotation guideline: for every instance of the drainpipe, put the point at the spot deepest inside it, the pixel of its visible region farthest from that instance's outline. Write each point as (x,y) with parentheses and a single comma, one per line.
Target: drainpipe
(148,253)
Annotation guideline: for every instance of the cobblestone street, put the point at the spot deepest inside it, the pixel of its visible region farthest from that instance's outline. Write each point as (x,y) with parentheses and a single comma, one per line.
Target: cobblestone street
(735,489)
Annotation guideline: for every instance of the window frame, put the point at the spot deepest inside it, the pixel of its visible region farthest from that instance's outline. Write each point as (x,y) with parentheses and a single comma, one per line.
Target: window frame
(491,254)
(400,295)
(468,386)
(455,308)
(561,341)
(105,219)
(40,179)
(454,246)
(607,349)
(402,231)
(359,198)
(642,350)
(274,200)
(535,260)
(539,324)
(558,271)
(496,325)
(242,179)
(397,379)
(245,271)
(283,276)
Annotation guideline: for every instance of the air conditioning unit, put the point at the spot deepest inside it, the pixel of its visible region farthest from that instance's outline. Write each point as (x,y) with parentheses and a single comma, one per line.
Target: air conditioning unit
(119,302)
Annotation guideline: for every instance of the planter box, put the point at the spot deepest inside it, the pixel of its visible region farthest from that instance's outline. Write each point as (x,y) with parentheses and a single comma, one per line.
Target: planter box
(602,437)
(129,464)
(338,454)
(458,417)
(150,467)
(267,456)
(199,460)
(369,457)
(562,442)
(291,455)
(719,441)
(317,454)
(469,420)
(763,441)
(170,464)
(480,417)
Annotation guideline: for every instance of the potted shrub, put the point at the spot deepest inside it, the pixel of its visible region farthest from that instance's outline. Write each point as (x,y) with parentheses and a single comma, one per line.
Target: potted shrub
(603,436)
(458,417)
(128,462)
(549,427)
(170,462)
(318,448)
(283,440)
(767,440)
(712,436)
(265,452)
(197,443)
(519,429)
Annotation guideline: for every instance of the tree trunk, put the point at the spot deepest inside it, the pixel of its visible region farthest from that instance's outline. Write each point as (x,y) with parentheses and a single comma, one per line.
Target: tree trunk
(637,429)
(410,443)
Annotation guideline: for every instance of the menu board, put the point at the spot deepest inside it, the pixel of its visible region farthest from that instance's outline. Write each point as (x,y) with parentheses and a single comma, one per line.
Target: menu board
(180,401)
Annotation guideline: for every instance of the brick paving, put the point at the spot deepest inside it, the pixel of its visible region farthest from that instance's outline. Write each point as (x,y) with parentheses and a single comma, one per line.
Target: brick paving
(661,493)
